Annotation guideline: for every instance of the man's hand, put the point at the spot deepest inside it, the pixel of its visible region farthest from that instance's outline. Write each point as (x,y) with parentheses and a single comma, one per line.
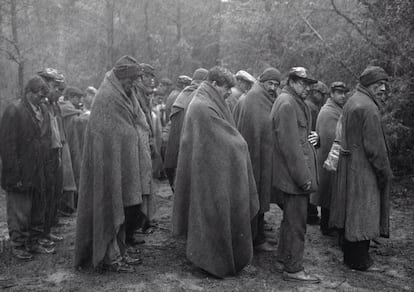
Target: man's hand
(307,186)
(313,138)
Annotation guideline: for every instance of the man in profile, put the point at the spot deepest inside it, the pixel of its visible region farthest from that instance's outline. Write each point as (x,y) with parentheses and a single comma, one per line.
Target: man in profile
(294,171)
(215,196)
(360,204)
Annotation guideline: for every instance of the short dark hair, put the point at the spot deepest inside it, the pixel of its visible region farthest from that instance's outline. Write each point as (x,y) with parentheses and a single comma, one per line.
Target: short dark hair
(36,84)
(222,76)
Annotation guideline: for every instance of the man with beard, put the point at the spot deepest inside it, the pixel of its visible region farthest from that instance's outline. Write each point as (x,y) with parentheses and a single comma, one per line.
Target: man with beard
(294,171)
(215,196)
(255,126)
(325,127)
(244,81)
(21,150)
(176,123)
(360,204)
(54,141)
(115,173)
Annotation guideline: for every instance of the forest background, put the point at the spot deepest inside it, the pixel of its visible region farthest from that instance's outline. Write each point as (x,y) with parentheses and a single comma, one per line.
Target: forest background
(334,39)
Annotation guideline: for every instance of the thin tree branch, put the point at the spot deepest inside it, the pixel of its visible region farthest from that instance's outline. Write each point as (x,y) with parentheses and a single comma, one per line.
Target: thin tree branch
(328,47)
(357,28)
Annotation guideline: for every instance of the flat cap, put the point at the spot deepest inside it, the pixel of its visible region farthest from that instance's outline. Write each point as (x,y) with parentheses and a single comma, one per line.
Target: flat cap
(321,87)
(302,73)
(245,76)
(339,86)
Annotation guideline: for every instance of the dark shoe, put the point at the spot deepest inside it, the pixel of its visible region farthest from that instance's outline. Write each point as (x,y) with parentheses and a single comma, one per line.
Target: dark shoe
(279,267)
(21,254)
(329,232)
(265,246)
(119,267)
(46,242)
(301,277)
(131,261)
(42,249)
(54,237)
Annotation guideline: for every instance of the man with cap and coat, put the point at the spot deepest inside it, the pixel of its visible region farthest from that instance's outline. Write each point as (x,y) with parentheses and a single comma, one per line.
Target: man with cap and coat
(215,195)
(22,126)
(325,127)
(115,173)
(360,204)
(55,141)
(244,81)
(294,171)
(176,123)
(255,125)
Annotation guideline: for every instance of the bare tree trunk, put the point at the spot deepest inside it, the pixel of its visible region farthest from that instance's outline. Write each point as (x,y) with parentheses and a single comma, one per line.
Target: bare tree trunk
(19,58)
(110,9)
(218,32)
(147,33)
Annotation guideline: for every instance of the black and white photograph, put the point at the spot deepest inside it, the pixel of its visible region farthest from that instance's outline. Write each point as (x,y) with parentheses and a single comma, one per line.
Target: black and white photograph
(207,145)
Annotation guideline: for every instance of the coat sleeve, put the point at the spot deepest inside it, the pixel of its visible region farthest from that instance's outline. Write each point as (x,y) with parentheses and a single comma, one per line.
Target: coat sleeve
(8,147)
(375,145)
(290,146)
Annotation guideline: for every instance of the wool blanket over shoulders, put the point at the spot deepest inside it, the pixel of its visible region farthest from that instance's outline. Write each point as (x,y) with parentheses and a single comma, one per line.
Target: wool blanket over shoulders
(325,127)
(116,169)
(178,111)
(215,194)
(255,125)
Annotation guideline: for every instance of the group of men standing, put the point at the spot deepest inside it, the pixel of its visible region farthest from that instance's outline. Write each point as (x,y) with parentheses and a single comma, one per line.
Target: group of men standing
(235,145)
(266,146)
(40,160)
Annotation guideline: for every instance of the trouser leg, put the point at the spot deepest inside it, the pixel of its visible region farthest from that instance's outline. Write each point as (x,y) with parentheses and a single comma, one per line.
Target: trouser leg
(293,230)
(170,172)
(324,225)
(356,254)
(19,205)
(116,247)
(312,217)
(258,229)
(133,221)
(53,189)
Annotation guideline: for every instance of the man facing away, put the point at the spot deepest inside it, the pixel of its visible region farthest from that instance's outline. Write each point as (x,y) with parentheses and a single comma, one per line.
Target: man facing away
(255,126)
(215,196)
(115,173)
(294,171)
(360,203)
(176,118)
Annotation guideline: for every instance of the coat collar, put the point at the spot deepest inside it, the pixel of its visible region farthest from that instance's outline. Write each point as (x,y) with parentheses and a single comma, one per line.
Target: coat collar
(367,92)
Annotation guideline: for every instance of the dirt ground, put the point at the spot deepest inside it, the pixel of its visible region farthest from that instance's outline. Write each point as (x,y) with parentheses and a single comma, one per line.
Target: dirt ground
(165,267)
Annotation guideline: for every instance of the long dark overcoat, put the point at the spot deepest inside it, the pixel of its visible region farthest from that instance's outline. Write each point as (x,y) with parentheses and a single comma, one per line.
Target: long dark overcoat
(360,203)
(21,148)
(255,125)
(325,127)
(294,158)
